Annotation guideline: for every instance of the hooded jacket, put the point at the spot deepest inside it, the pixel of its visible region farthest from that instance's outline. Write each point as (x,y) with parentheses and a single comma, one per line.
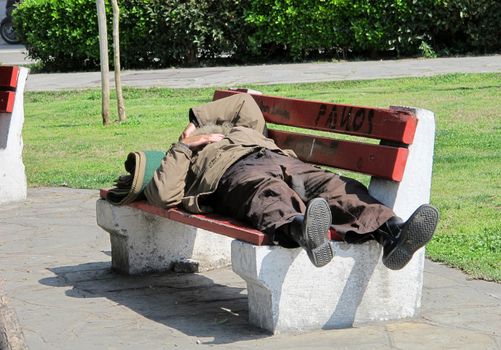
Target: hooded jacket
(186,177)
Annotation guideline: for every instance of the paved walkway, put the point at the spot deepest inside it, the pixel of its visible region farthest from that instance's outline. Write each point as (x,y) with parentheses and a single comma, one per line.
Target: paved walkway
(271,74)
(56,263)
(13,54)
(233,76)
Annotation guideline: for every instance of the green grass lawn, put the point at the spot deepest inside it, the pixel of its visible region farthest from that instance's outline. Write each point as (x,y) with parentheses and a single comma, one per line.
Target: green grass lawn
(66,145)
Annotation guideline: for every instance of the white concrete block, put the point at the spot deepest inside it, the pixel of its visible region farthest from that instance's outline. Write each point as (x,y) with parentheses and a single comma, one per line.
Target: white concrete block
(288,294)
(13,186)
(414,189)
(143,242)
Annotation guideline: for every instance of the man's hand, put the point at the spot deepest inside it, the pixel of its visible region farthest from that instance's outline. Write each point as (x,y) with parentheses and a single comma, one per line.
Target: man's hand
(198,142)
(188,131)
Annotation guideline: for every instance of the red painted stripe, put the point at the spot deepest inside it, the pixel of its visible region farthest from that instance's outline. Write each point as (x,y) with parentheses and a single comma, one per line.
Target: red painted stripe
(210,222)
(376,160)
(103,192)
(8,77)
(221,225)
(7,101)
(378,123)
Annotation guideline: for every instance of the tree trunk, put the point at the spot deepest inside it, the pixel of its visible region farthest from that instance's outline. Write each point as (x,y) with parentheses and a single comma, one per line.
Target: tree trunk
(116,61)
(105,69)
(11,336)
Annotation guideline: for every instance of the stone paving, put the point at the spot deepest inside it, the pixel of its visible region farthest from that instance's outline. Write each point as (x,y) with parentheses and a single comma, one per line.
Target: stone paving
(238,76)
(55,260)
(56,263)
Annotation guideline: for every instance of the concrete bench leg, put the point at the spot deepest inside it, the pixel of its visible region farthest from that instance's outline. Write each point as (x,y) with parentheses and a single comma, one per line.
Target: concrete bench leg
(142,242)
(288,294)
(13,186)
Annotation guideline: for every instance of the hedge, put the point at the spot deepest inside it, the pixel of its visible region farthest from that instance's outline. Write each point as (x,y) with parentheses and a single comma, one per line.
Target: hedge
(63,34)
(154,33)
(299,28)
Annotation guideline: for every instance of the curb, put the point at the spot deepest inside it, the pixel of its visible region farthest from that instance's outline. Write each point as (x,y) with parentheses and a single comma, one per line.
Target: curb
(11,335)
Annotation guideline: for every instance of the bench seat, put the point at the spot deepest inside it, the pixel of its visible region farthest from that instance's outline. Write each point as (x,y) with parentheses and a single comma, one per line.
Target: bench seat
(286,292)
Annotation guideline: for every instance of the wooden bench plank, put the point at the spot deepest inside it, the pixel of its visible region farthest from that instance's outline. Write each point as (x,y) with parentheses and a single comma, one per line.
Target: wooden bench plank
(376,160)
(8,77)
(7,101)
(378,123)
(210,222)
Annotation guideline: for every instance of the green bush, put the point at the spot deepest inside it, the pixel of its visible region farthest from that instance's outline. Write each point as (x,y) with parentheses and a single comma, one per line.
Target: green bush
(63,34)
(299,28)
(160,33)
(464,26)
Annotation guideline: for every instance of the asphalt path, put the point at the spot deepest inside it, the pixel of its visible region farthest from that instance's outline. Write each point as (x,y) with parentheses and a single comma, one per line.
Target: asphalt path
(240,76)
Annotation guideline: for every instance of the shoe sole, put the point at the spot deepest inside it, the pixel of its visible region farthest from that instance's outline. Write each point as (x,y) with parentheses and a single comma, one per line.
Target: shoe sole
(415,234)
(317,223)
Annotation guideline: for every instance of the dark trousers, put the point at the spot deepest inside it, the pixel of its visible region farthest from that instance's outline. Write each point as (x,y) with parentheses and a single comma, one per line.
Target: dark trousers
(267,190)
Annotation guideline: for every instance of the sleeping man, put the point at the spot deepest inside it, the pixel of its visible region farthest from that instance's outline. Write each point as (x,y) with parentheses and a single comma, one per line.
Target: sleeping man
(224,163)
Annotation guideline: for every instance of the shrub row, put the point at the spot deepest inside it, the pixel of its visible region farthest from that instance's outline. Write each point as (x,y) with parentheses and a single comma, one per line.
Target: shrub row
(63,34)
(369,27)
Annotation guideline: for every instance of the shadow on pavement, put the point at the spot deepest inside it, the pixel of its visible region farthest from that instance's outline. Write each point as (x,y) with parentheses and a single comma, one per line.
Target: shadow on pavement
(190,303)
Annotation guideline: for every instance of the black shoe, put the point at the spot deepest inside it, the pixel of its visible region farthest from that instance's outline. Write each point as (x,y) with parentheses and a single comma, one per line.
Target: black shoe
(310,232)
(400,240)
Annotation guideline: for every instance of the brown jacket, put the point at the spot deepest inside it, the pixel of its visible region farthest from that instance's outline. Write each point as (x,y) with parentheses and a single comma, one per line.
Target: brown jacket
(187,177)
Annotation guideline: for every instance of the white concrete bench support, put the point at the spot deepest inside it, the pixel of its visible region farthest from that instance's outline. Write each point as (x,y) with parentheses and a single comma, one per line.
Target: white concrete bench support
(13,185)
(286,293)
(142,242)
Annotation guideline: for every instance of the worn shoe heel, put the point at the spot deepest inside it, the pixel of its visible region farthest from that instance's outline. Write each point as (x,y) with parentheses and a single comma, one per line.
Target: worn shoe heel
(416,232)
(316,227)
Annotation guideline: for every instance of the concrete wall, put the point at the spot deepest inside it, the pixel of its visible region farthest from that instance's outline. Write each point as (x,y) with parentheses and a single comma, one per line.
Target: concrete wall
(13,186)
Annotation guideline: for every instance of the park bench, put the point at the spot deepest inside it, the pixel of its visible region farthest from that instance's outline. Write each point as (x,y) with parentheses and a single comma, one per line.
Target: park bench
(12,176)
(285,291)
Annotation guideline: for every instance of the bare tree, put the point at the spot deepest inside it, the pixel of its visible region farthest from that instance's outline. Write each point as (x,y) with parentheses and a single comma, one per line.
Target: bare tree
(116,61)
(105,69)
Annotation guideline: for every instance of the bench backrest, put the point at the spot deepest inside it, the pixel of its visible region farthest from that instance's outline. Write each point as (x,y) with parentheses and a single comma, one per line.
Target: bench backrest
(393,128)
(8,84)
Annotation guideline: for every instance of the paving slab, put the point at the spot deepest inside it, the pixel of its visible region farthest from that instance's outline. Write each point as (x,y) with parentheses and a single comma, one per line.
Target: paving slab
(56,265)
(14,55)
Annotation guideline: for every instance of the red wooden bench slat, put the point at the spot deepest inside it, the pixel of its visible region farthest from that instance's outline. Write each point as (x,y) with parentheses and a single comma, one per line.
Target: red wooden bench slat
(383,161)
(210,222)
(378,123)
(8,77)
(7,101)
